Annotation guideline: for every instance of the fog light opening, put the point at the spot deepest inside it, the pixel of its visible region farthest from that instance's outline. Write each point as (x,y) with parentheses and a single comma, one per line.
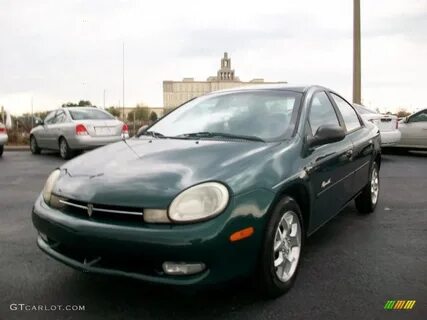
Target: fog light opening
(182,268)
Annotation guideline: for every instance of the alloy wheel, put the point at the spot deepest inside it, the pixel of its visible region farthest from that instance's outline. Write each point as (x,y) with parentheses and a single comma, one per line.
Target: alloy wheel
(287,246)
(375,185)
(63,148)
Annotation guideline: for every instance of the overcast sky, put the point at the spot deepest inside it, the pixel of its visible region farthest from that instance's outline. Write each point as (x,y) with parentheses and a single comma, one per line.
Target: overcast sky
(60,51)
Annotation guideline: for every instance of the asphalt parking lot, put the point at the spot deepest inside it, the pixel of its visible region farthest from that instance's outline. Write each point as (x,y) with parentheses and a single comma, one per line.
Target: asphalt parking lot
(350,267)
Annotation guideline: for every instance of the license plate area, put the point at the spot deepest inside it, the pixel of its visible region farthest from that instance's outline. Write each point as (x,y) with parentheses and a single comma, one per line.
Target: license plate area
(102,131)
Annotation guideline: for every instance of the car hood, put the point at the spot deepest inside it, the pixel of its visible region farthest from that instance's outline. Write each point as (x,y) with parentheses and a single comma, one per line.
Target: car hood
(151,172)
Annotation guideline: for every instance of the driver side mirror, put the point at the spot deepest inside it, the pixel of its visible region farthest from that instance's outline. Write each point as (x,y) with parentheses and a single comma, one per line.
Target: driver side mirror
(141,130)
(39,122)
(326,134)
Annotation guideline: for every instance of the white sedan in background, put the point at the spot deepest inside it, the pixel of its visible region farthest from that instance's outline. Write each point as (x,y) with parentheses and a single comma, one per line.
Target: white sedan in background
(387,124)
(414,131)
(3,137)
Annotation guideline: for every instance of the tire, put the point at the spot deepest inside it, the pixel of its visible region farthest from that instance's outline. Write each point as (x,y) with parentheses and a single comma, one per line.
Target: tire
(1,150)
(34,147)
(64,149)
(270,276)
(367,201)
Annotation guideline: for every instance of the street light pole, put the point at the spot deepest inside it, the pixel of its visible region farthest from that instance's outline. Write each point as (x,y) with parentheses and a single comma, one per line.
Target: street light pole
(123,89)
(357,83)
(32,114)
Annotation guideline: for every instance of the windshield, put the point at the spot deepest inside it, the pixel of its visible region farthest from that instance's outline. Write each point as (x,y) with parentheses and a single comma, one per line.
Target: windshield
(264,114)
(89,114)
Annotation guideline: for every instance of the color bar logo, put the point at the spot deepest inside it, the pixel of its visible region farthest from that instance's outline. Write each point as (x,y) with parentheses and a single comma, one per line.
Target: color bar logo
(399,304)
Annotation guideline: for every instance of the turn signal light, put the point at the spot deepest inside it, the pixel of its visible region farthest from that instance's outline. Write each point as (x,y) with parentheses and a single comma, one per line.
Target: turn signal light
(242,234)
(81,130)
(2,129)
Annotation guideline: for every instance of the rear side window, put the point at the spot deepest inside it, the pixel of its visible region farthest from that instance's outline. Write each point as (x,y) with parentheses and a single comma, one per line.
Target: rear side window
(89,114)
(49,118)
(350,117)
(321,112)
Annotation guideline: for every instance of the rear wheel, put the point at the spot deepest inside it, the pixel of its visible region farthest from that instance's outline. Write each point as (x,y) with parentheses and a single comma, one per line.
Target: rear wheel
(281,249)
(1,150)
(64,149)
(368,199)
(34,146)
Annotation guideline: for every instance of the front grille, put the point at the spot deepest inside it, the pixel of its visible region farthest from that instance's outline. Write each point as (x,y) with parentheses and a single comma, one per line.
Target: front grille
(100,212)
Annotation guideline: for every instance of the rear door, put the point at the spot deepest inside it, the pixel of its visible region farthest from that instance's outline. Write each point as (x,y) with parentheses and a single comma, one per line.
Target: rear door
(414,131)
(329,169)
(42,136)
(55,129)
(363,147)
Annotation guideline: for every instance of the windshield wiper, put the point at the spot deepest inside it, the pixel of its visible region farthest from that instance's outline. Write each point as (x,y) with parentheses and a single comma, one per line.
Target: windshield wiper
(154,134)
(207,134)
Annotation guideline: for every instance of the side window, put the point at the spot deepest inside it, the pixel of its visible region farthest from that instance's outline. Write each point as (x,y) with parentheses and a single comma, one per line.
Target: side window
(321,112)
(50,117)
(60,117)
(350,117)
(420,117)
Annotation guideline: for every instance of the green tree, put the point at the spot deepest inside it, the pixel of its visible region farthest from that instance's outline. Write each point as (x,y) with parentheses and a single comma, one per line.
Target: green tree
(115,111)
(81,103)
(402,113)
(153,116)
(141,114)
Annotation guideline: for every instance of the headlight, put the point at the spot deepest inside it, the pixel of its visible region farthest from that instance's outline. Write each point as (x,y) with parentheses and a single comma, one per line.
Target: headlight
(50,183)
(199,202)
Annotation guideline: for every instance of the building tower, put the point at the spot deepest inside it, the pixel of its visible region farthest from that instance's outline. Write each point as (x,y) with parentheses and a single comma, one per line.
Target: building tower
(225,73)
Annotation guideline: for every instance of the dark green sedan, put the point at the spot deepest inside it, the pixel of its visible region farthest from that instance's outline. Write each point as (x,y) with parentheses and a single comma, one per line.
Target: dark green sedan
(226,186)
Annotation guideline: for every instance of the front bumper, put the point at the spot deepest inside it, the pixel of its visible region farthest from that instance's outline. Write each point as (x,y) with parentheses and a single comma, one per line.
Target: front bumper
(3,139)
(139,251)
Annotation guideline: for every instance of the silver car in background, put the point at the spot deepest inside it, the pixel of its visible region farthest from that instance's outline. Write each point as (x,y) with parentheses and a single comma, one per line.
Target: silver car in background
(71,130)
(3,137)
(414,131)
(387,124)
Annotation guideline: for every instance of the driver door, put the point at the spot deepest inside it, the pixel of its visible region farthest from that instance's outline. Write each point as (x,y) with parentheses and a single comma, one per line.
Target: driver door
(329,165)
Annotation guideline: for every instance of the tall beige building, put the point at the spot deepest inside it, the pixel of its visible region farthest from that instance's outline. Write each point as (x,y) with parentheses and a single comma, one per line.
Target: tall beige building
(178,92)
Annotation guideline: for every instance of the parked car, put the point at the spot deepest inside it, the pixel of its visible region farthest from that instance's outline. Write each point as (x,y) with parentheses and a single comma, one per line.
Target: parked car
(228,185)
(414,131)
(3,137)
(388,125)
(70,130)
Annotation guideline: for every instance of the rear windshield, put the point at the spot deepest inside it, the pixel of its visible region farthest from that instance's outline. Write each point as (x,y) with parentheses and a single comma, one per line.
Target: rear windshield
(362,110)
(89,114)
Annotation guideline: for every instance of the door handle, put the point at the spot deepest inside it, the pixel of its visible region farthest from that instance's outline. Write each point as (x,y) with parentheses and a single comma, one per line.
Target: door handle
(349,154)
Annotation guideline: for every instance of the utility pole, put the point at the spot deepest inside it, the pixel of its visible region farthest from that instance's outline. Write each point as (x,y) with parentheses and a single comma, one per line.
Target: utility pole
(357,83)
(32,114)
(104,100)
(123,89)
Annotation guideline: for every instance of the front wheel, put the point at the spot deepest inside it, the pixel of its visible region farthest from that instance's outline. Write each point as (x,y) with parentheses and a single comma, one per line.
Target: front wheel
(282,248)
(34,146)
(368,199)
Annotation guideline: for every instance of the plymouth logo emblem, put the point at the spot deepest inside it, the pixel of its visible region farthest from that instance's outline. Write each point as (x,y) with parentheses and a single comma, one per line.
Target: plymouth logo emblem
(89,209)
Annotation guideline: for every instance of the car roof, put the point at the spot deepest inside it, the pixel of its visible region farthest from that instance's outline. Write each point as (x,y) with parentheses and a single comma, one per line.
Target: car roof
(79,108)
(271,86)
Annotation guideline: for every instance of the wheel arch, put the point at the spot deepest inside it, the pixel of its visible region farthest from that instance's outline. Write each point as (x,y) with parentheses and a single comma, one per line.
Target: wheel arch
(298,191)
